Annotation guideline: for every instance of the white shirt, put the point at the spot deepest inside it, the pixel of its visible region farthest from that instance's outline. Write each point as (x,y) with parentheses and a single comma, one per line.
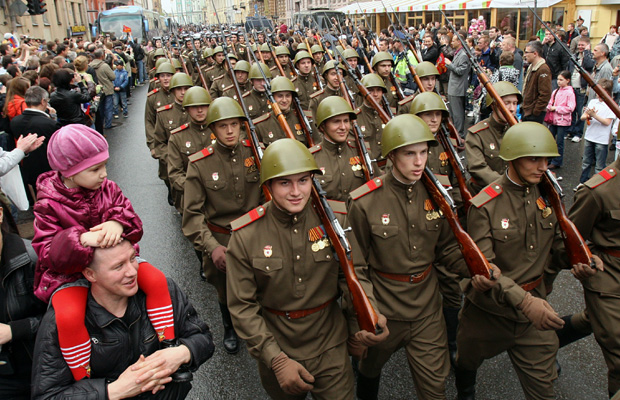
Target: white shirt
(597,132)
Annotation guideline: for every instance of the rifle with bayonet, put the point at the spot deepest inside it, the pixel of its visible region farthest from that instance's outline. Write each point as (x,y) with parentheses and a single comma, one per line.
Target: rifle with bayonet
(315,69)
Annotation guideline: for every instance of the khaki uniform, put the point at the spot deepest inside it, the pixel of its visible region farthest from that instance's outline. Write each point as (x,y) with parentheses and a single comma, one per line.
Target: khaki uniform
(153,84)
(241,51)
(306,85)
(256,103)
(341,166)
(221,185)
(596,213)
(350,84)
(229,91)
(288,72)
(274,264)
(518,232)
(212,72)
(392,94)
(156,99)
(401,235)
(372,128)
(268,128)
(482,153)
(318,96)
(404,106)
(219,84)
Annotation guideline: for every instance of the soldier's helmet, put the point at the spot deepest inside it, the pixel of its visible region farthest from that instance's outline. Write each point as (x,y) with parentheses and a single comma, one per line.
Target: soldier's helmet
(331,64)
(196,96)
(255,72)
(333,106)
(428,101)
(176,63)
(233,55)
(382,56)
(165,68)
(404,130)
(503,88)
(527,139)
(160,61)
(301,55)
(242,66)
(282,51)
(374,80)
(317,49)
(264,48)
(339,49)
(286,157)
(159,53)
(350,53)
(426,68)
(282,84)
(208,52)
(218,49)
(224,108)
(180,79)
(302,46)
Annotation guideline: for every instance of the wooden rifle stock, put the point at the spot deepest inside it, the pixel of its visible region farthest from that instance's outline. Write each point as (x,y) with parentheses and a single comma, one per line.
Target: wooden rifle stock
(202,77)
(459,171)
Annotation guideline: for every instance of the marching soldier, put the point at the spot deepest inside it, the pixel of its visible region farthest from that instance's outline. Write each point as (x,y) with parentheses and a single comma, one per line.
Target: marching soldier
(240,49)
(428,74)
(284,58)
(484,139)
(382,64)
(319,55)
(207,55)
(217,69)
(153,81)
(332,85)
(368,118)
(283,286)
(157,54)
(256,98)
(222,82)
(221,184)
(266,55)
(305,83)
(353,59)
(337,154)
(150,57)
(241,69)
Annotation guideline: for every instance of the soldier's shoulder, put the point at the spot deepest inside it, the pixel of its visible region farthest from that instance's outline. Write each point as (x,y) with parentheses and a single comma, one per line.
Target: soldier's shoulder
(199,155)
(317,93)
(247,218)
(246,94)
(315,148)
(358,110)
(180,128)
(487,194)
(210,68)
(602,177)
(218,78)
(480,126)
(366,188)
(406,100)
(339,207)
(165,108)
(260,119)
(152,92)
(228,88)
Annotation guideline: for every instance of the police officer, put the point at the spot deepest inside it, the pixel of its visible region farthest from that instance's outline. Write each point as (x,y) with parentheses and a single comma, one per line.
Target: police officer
(482,144)
(242,70)
(283,286)
(428,74)
(332,85)
(306,83)
(382,64)
(221,184)
(256,98)
(368,118)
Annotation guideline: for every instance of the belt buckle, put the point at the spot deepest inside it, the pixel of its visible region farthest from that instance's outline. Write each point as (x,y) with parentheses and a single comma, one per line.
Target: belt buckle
(287,315)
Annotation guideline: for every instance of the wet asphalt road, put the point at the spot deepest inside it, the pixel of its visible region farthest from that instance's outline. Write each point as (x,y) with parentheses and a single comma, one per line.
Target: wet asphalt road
(235,376)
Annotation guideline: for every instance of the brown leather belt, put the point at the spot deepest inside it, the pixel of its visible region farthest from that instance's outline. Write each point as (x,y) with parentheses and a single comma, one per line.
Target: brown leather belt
(217,229)
(299,313)
(528,287)
(613,253)
(412,278)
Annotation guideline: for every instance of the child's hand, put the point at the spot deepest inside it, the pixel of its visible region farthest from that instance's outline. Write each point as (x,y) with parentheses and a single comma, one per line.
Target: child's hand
(90,239)
(109,233)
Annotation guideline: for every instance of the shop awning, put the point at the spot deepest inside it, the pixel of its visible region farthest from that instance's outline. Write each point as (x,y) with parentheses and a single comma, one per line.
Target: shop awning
(374,7)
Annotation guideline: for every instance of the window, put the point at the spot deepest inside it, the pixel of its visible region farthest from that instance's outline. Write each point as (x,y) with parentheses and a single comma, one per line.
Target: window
(33,20)
(507,19)
(57,13)
(557,16)
(528,24)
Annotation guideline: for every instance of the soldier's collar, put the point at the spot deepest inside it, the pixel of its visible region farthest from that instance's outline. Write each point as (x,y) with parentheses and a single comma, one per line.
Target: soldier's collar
(517,186)
(332,146)
(200,126)
(226,149)
(287,218)
(391,179)
(497,125)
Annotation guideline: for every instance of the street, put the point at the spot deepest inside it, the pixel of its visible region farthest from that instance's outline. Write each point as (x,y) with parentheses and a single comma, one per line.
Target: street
(235,376)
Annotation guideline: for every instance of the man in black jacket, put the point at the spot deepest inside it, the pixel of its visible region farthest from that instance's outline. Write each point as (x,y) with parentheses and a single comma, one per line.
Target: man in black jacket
(430,52)
(126,359)
(556,58)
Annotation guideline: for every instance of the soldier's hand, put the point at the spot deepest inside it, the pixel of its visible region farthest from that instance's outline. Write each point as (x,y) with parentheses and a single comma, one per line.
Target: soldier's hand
(482,283)
(356,348)
(219,258)
(370,339)
(292,377)
(585,271)
(540,313)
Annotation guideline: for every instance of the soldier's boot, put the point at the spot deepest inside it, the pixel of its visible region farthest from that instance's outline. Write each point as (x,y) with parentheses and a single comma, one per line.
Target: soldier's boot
(367,388)
(451,315)
(576,327)
(170,199)
(183,374)
(465,383)
(201,270)
(231,340)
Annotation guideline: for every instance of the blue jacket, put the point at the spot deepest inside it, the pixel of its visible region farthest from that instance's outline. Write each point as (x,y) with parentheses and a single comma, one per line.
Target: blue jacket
(122,78)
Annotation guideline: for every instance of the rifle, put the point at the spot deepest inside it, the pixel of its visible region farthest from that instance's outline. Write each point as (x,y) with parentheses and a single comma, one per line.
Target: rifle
(182,59)
(197,63)
(315,69)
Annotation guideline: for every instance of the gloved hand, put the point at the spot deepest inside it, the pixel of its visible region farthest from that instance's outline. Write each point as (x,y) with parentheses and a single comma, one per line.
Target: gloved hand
(356,348)
(540,313)
(482,284)
(370,339)
(584,271)
(292,377)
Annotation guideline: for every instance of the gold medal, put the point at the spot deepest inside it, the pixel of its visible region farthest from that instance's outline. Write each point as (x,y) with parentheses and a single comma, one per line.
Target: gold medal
(315,247)
(321,244)
(546,212)
(327,242)
(429,216)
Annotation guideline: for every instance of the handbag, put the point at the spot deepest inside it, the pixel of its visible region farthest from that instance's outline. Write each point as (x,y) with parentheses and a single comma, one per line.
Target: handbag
(12,185)
(549,115)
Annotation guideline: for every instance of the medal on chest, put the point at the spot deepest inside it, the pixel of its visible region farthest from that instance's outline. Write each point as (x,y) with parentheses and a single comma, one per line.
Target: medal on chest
(250,107)
(317,237)
(355,163)
(158,103)
(443,157)
(505,223)
(298,129)
(393,90)
(543,207)
(215,176)
(385,219)
(363,128)
(431,213)
(188,144)
(250,164)
(492,146)
(267,251)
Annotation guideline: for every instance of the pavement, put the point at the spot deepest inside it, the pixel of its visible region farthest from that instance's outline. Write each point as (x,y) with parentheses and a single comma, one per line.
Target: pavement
(227,376)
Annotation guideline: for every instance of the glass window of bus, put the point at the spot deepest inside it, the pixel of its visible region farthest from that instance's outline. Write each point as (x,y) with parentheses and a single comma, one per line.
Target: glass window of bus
(114,24)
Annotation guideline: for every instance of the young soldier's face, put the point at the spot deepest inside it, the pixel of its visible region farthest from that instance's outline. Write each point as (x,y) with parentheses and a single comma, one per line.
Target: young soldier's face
(383,68)
(376,93)
(179,93)
(529,170)
(409,161)
(332,78)
(337,128)
(242,76)
(432,119)
(304,66)
(429,83)
(291,193)
(352,62)
(198,113)
(512,102)
(318,56)
(164,80)
(227,131)
(284,100)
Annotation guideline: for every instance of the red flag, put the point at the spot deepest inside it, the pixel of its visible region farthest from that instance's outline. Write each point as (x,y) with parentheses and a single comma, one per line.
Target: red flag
(441,64)
(126,29)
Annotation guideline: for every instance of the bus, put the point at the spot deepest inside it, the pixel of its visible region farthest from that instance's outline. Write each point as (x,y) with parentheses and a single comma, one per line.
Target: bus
(318,16)
(142,24)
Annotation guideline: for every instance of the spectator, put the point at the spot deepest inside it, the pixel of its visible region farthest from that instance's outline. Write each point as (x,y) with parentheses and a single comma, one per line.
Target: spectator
(105,77)
(458,84)
(610,37)
(560,108)
(509,46)
(571,33)
(120,84)
(580,24)
(138,54)
(506,72)
(580,86)
(583,33)
(68,102)
(537,85)
(430,52)
(555,57)
(15,104)
(602,67)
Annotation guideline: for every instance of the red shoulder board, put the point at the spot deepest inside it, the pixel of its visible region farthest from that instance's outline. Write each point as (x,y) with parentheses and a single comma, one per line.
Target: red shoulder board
(339,207)
(406,100)
(179,129)
(199,155)
(246,94)
(315,148)
(366,188)
(487,194)
(164,108)
(248,218)
(352,144)
(219,77)
(480,126)
(246,143)
(602,177)
(260,119)
(153,91)
(293,79)
(317,93)
(272,68)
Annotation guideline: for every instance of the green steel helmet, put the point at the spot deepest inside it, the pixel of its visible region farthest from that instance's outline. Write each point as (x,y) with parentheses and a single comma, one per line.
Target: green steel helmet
(165,68)
(196,96)
(404,130)
(255,72)
(350,53)
(301,55)
(224,108)
(382,56)
(242,66)
(428,101)
(282,51)
(254,48)
(264,48)
(504,88)
(302,46)
(282,84)
(232,55)
(339,49)
(218,49)
(333,106)
(180,79)
(176,63)
(527,139)
(374,80)
(317,49)
(286,157)
(159,52)
(208,52)
(331,64)
(426,68)
(160,61)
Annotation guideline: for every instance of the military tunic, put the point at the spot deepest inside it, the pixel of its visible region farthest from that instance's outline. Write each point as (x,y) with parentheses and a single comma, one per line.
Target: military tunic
(306,85)
(482,153)
(404,105)
(372,128)
(212,72)
(153,84)
(392,94)
(288,72)
(318,96)
(268,128)
(230,91)
(341,167)
(256,103)
(219,84)
(155,99)
(184,141)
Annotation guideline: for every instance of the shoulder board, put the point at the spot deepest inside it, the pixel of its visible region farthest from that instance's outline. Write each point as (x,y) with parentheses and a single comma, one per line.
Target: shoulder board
(317,93)
(218,77)
(273,68)
(600,178)
(293,79)
(393,109)
(164,108)
(358,110)
(366,188)
(248,218)
(315,148)
(444,180)
(246,94)
(260,119)
(487,194)
(246,143)
(228,88)
(482,125)
(199,155)
(406,100)
(153,80)
(339,207)
(210,68)
(179,129)
(308,113)
(152,92)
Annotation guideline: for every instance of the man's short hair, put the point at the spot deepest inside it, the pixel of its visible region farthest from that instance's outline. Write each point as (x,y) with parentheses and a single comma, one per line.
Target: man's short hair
(511,33)
(506,58)
(35,95)
(606,84)
(584,39)
(98,54)
(510,41)
(535,46)
(604,48)
(582,30)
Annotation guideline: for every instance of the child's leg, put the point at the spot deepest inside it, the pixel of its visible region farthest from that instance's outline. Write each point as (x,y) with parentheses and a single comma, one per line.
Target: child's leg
(588,161)
(124,102)
(116,98)
(73,338)
(158,303)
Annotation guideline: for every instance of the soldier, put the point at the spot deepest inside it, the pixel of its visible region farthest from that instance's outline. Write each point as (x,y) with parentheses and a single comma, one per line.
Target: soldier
(188,139)
(240,49)
(337,154)
(368,118)
(284,58)
(153,81)
(332,85)
(484,139)
(222,82)
(428,74)
(402,235)
(221,184)
(157,54)
(217,69)
(207,55)
(319,55)
(382,64)
(283,287)
(266,56)
(242,69)
(353,59)
(150,57)
(516,229)
(267,127)
(306,83)
(256,98)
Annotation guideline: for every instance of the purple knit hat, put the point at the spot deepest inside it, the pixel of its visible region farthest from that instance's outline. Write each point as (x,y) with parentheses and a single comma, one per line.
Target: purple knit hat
(74,148)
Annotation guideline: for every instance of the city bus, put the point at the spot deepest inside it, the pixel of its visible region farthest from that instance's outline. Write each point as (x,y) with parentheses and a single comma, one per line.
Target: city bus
(142,24)
(318,16)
